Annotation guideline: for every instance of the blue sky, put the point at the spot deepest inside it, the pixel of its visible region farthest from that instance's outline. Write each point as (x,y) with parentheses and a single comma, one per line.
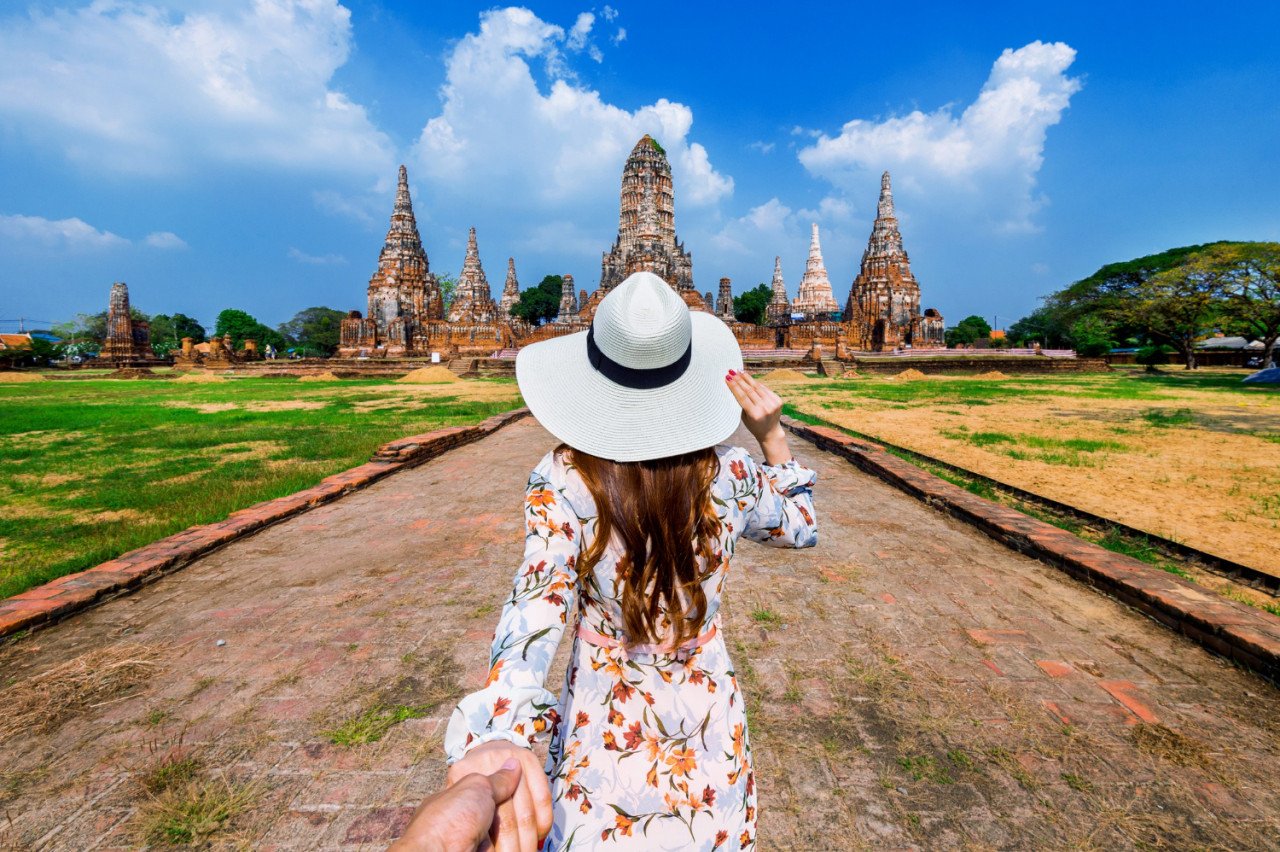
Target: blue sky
(232,153)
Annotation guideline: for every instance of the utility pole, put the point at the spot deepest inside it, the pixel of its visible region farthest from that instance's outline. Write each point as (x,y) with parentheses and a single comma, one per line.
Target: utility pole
(22,328)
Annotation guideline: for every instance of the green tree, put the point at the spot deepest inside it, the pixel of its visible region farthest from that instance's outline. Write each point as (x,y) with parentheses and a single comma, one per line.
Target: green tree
(448,286)
(314,331)
(1091,335)
(540,303)
(1177,305)
(966,331)
(1040,326)
(185,326)
(750,306)
(90,330)
(242,326)
(1249,277)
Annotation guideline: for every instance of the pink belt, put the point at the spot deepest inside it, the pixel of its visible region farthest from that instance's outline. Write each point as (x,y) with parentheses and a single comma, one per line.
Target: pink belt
(681,653)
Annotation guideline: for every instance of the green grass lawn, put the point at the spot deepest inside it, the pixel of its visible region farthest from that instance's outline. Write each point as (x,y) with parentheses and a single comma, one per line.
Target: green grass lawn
(90,469)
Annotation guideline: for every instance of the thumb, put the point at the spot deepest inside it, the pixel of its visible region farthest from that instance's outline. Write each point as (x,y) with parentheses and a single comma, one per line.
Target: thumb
(504,782)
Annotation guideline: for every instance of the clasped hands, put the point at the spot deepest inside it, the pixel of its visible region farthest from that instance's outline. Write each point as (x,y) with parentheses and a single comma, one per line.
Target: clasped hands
(496,798)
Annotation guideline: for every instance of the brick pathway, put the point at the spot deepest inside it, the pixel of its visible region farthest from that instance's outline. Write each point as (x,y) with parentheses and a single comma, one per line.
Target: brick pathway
(911,684)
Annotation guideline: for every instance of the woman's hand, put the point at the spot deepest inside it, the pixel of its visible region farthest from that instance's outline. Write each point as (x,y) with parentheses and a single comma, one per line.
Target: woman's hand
(761,411)
(525,818)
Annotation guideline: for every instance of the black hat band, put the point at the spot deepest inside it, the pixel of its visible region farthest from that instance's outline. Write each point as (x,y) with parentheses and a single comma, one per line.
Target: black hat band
(634,377)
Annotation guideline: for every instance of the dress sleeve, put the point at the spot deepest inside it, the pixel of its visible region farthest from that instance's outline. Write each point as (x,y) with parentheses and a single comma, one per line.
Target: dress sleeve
(782,515)
(514,705)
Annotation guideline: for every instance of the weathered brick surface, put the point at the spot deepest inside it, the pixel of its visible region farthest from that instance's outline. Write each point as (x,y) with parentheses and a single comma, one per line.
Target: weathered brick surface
(904,649)
(1233,629)
(66,595)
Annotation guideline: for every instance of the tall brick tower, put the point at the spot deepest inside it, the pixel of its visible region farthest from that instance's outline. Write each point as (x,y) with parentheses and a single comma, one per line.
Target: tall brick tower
(646,228)
(403,287)
(510,291)
(472,300)
(778,311)
(885,297)
(128,341)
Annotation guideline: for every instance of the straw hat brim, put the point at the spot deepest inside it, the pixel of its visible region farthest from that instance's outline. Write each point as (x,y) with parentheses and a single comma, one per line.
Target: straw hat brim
(587,411)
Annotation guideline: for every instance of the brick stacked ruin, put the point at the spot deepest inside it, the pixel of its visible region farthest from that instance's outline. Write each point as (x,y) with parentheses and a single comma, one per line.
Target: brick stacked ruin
(647,229)
(883,310)
(128,341)
(406,316)
(510,290)
(778,311)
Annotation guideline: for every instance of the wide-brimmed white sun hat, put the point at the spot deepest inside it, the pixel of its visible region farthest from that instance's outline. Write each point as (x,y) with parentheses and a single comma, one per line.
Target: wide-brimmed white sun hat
(646,381)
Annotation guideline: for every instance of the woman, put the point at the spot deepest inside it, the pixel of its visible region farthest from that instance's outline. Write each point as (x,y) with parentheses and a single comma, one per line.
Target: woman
(631,523)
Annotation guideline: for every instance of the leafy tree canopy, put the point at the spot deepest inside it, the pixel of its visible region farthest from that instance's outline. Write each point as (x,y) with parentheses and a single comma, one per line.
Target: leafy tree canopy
(966,331)
(314,331)
(751,305)
(448,286)
(541,303)
(241,326)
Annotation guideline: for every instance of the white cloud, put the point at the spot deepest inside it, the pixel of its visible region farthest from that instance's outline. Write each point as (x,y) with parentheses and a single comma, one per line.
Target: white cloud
(609,13)
(71,233)
(620,36)
(303,257)
(129,86)
(500,137)
(987,157)
(165,240)
(762,147)
(1040,268)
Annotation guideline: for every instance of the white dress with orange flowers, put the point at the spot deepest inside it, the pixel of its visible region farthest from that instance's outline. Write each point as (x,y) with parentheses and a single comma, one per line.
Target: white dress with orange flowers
(647,752)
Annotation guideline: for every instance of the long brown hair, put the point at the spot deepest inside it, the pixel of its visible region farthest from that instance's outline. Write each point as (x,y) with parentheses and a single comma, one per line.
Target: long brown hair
(660,511)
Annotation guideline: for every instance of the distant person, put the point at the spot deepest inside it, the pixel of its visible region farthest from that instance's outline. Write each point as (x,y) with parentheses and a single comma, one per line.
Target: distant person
(630,526)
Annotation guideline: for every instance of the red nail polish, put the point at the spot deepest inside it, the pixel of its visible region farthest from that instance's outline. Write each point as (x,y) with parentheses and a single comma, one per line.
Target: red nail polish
(733,372)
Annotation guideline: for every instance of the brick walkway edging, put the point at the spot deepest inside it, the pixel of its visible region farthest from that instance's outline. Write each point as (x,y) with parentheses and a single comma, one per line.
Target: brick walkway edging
(1235,630)
(55,600)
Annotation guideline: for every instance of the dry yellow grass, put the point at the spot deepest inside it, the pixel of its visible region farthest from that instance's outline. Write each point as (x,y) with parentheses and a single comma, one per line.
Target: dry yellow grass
(910,375)
(8,378)
(199,378)
(1211,481)
(42,702)
(326,376)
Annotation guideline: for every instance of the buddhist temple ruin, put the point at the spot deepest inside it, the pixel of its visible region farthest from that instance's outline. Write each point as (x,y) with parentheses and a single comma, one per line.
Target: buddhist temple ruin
(510,290)
(814,299)
(128,341)
(407,318)
(884,302)
(647,229)
(778,311)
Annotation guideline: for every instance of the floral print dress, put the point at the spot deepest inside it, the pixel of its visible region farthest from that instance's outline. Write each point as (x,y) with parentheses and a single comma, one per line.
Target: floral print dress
(648,751)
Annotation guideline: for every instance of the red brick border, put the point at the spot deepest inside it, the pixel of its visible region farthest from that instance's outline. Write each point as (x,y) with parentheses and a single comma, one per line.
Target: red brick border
(47,604)
(1234,630)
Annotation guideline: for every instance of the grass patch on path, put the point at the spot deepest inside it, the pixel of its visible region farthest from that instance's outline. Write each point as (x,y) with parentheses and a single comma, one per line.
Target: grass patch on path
(90,469)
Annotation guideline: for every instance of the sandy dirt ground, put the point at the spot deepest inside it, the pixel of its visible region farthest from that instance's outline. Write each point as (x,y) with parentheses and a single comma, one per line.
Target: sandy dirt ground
(1212,483)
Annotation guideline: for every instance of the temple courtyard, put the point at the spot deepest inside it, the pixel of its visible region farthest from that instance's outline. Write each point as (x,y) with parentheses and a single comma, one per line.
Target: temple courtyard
(911,684)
